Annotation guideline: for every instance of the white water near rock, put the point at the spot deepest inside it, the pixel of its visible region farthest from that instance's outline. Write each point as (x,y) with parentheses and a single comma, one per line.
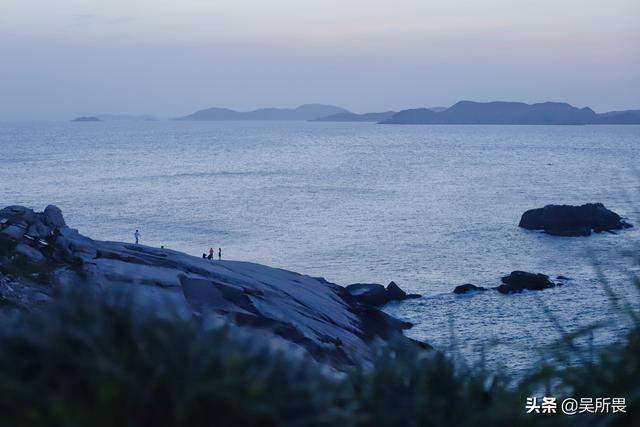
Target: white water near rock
(430,207)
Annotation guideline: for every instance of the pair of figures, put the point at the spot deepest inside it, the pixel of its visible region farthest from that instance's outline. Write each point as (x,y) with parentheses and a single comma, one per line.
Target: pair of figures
(211,252)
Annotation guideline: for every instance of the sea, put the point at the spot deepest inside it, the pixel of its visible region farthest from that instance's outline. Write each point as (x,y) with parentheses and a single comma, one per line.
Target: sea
(429,207)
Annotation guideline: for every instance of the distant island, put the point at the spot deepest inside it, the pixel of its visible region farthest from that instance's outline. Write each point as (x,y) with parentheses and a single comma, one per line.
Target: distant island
(366,117)
(303,112)
(115,117)
(461,113)
(126,117)
(86,119)
(512,113)
(626,117)
(354,117)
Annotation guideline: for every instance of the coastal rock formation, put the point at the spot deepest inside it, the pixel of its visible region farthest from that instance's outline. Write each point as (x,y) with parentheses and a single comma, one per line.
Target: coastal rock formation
(468,287)
(518,281)
(566,220)
(376,295)
(39,254)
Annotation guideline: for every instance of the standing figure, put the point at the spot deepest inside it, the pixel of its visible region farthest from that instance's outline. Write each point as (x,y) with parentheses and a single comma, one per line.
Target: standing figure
(210,257)
(219,254)
(137,236)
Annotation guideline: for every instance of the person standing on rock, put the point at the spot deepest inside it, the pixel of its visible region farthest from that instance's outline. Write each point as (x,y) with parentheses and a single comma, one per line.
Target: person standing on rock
(219,254)
(210,257)
(137,236)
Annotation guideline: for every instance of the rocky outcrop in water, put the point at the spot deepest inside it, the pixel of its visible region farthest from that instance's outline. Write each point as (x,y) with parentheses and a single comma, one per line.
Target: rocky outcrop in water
(468,287)
(39,255)
(519,281)
(566,220)
(376,295)
(516,282)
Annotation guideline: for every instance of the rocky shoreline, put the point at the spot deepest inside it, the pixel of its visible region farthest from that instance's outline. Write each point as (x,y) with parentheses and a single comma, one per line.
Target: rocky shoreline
(40,257)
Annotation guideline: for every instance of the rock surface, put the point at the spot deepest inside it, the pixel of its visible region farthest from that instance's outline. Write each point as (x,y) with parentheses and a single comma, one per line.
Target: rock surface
(52,217)
(32,254)
(518,281)
(317,317)
(566,220)
(376,295)
(468,287)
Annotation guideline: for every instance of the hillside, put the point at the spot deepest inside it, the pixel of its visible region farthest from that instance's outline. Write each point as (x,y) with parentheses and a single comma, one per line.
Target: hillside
(508,113)
(303,112)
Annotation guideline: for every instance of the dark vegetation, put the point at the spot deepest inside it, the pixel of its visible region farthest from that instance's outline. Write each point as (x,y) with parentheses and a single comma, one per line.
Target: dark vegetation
(104,361)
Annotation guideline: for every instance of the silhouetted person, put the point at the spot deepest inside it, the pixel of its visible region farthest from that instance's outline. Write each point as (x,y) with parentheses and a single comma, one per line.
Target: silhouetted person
(204,256)
(219,254)
(210,257)
(137,236)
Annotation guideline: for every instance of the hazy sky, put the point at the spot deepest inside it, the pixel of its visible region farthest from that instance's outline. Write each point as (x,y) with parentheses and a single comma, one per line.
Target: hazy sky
(63,58)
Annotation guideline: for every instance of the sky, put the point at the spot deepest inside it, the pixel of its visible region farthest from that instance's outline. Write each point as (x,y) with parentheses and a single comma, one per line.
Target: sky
(64,58)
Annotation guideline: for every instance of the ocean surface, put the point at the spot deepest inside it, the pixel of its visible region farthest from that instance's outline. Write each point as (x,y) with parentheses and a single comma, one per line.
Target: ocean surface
(429,207)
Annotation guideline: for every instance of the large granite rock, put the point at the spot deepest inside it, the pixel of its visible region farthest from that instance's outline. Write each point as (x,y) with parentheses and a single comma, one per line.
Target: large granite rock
(566,220)
(14,232)
(369,293)
(518,281)
(468,287)
(376,295)
(32,254)
(319,318)
(53,217)
(515,282)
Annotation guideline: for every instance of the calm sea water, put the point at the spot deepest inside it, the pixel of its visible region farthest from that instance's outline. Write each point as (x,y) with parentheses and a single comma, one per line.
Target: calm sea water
(430,207)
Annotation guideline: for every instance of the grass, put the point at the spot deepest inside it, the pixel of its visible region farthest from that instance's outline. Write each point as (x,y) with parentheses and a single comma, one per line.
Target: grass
(104,362)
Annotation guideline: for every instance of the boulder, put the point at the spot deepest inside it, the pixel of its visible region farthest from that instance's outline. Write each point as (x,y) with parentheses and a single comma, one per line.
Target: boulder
(369,293)
(12,212)
(39,230)
(566,220)
(13,231)
(518,281)
(394,292)
(468,287)
(376,295)
(53,217)
(32,255)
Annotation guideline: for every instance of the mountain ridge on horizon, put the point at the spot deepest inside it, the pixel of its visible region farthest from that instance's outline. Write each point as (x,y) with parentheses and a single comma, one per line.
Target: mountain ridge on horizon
(302,112)
(462,112)
(513,113)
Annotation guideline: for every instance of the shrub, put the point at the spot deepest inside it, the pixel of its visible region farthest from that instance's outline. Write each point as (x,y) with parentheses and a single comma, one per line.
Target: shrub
(87,361)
